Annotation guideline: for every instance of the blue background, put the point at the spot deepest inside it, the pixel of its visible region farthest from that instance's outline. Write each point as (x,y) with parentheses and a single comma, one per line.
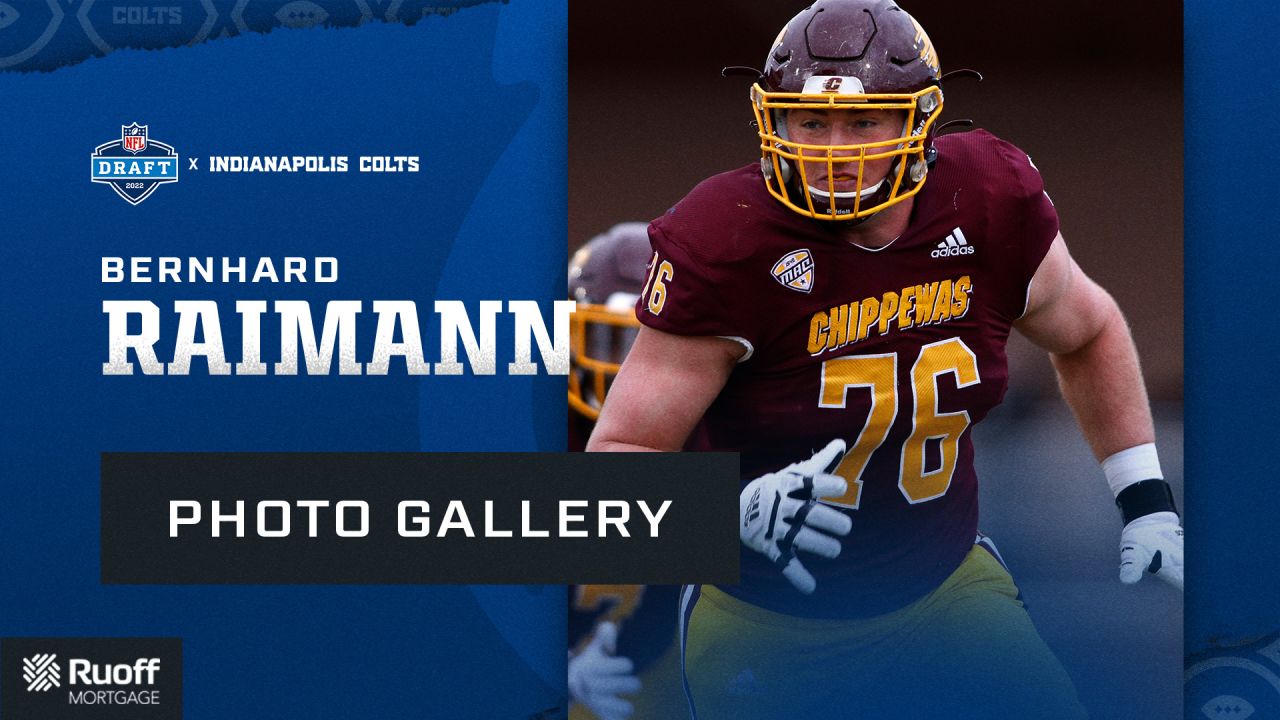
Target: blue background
(479,96)
(1231,219)
(1232,138)
(1233,577)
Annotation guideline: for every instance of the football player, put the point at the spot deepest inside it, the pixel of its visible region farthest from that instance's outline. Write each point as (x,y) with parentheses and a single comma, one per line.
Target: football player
(852,293)
(598,677)
(605,277)
(625,660)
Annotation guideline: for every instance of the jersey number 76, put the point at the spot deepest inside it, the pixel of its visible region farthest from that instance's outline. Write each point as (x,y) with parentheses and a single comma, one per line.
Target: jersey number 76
(879,374)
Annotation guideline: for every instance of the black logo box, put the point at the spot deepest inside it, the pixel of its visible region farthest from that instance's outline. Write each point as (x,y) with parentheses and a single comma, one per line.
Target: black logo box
(19,703)
(698,540)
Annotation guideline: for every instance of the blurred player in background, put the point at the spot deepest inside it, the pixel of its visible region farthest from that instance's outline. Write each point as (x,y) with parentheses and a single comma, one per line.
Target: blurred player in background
(624,660)
(605,278)
(829,291)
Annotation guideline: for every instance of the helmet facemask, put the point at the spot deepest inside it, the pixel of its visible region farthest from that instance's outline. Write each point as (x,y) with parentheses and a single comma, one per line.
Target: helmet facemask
(783,160)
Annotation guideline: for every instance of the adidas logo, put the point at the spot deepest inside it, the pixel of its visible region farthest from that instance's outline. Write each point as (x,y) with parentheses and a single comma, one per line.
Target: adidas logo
(955,244)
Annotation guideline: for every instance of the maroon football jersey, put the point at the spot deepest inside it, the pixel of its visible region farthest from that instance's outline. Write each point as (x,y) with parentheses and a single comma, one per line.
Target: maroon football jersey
(899,351)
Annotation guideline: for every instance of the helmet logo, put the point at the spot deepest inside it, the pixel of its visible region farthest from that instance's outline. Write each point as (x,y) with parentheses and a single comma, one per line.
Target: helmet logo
(778,40)
(795,270)
(840,84)
(928,55)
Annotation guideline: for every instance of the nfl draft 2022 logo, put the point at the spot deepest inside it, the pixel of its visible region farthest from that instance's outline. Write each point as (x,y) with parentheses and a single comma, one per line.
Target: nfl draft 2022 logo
(135,165)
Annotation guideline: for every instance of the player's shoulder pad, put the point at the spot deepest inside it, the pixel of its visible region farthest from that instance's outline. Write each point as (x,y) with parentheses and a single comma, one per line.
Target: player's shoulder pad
(717,222)
(1004,170)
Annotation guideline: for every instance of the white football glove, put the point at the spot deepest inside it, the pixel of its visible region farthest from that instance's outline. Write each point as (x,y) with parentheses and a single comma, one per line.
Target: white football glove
(780,514)
(597,677)
(1152,543)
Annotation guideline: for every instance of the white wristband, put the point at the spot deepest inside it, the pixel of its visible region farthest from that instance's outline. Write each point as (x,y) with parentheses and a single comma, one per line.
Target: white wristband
(1130,466)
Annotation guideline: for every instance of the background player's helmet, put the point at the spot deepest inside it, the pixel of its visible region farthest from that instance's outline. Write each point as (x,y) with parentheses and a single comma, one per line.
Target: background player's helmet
(848,55)
(605,277)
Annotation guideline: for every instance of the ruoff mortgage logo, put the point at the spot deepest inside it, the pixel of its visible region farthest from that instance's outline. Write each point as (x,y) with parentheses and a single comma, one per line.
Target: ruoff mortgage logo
(40,672)
(135,165)
(91,678)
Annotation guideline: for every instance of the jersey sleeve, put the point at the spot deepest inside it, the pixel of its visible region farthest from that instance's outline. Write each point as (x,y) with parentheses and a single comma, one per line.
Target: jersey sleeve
(689,291)
(1030,226)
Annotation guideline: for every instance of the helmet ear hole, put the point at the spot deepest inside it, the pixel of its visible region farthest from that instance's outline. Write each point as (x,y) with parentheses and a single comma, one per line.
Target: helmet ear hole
(766,169)
(927,103)
(780,125)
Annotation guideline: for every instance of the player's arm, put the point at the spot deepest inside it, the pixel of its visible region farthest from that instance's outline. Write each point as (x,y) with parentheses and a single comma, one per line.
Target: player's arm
(665,385)
(1087,337)
(1092,350)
